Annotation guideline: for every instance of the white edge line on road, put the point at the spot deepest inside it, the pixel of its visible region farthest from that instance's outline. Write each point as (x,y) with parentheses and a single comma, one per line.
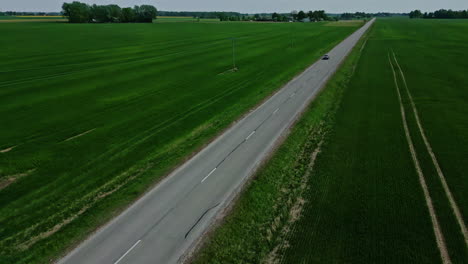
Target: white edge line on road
(206,177)
(276,111)
(251,134)
(128,251)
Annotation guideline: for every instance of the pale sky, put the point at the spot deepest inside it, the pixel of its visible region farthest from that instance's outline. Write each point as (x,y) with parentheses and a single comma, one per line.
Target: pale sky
(252,6)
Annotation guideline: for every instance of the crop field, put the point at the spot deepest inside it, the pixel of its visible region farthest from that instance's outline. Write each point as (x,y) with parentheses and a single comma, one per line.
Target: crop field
(18,19)
(92,115)
(167,19)
(364,200)
(366,203)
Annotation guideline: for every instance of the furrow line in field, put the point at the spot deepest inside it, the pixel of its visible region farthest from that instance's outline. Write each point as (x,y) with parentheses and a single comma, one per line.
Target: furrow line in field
(440,173)
(435,223)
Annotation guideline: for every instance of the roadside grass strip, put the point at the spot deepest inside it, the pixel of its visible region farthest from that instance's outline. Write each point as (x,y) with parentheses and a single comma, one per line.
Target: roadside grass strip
(440,173)
(435,223)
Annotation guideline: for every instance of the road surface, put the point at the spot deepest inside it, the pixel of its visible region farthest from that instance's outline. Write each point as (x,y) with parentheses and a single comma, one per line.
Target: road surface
(162,225)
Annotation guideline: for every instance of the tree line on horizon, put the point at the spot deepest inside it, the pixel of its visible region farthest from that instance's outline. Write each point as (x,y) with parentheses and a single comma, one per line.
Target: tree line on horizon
(440,14)
(356,15)
(78,12)
(318,15)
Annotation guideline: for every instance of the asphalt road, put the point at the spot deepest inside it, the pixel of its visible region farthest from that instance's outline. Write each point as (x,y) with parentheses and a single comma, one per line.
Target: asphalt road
(165,223)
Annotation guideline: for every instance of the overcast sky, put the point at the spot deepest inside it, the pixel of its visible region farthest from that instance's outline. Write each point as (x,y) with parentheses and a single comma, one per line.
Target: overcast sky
(253,6)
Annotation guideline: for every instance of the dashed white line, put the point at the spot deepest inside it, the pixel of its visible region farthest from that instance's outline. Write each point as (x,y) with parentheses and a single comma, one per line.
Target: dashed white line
(251,134)
(128,251)
(277,109)
(206,177)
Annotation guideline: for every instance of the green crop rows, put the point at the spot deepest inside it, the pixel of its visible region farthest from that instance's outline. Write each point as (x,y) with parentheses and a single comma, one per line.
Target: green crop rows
(365,203)
(92,115)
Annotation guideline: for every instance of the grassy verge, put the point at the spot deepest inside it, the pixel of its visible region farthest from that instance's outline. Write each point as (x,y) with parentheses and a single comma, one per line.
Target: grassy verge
(259,221)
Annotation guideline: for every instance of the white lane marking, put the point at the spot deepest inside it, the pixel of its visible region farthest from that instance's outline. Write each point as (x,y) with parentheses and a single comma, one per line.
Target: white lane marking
(277,109)
(206,177)
(293,94)
(128,251)
(251,134)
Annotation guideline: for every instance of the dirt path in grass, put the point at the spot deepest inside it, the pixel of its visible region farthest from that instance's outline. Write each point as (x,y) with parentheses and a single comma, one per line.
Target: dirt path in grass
(12,178)
(295,212)
(7,149)
(435,223)
(447,191)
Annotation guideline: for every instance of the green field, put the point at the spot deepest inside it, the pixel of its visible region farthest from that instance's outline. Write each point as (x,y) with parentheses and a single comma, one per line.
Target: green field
(6,19)
(94,114)
(363,202)
(161,19)
(165,19)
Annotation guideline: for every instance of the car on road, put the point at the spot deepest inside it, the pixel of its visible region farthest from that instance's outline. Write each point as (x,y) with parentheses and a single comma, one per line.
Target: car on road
(325,57)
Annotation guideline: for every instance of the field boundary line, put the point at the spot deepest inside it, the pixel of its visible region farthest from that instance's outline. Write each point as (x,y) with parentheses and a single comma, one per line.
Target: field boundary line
(448,193)
(435,223)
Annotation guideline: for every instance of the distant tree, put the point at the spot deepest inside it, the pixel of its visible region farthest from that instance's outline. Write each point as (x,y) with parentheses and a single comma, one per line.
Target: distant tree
(318,15)
(445,14)
(222,16)
(82,13)
(301,15)
(145,13)
(275,16)
(357,15)
(294,15)
(114,13)
(77,12)
(322,15)
(100,14)
(415,14)
(127,15)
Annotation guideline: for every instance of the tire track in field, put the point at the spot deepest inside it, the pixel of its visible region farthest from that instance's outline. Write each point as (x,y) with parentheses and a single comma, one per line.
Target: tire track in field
(422,181)
(441,175)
